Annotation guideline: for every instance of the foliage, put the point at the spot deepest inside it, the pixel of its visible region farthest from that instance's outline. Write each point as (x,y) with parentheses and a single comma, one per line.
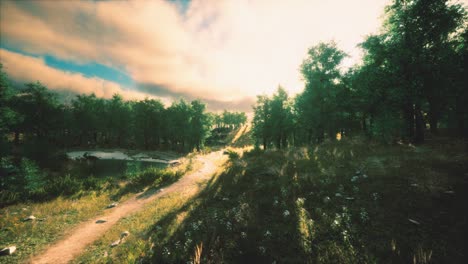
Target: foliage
(412,76)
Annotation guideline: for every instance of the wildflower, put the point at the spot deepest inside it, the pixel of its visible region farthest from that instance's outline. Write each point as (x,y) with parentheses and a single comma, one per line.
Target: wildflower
(188,242)
(326,199)
(375,196)
(262,249)
(229,226)
(338,194)
(267,233)
(243,235)
(354,178)
(300,201)
(364,215)
(275,203)
(286,213)
(284,191)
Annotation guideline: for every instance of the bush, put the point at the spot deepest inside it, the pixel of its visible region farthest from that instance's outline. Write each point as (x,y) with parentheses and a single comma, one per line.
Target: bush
(35,181)
(64,186)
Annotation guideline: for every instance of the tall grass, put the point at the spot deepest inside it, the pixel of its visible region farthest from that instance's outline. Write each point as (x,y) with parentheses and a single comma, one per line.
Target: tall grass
(339,202)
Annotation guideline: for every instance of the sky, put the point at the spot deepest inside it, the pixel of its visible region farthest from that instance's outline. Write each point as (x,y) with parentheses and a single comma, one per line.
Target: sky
(224,52)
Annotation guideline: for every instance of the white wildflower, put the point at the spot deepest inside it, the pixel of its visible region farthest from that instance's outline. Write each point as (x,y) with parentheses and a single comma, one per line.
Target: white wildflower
(262,249)
(364,215)
(300,201)
(286,213)
(375,196)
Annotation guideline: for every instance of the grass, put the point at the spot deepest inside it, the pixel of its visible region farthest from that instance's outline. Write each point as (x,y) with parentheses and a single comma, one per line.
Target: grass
(340,202)
(56,218)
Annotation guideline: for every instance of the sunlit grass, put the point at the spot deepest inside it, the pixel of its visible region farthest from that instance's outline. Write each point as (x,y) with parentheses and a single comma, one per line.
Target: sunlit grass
(160,219)
(339,202)
(55,219)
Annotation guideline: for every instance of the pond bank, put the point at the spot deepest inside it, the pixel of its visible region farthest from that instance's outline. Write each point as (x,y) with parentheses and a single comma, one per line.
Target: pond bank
(145,156)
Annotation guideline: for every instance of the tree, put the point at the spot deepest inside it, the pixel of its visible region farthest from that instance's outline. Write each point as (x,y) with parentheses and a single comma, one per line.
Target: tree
(317,104)
(199,124)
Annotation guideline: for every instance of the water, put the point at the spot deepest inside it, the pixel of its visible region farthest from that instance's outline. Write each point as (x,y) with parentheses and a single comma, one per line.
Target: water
(110,164)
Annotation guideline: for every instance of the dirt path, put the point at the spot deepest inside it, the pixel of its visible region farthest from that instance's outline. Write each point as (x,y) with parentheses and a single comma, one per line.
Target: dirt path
(86,233)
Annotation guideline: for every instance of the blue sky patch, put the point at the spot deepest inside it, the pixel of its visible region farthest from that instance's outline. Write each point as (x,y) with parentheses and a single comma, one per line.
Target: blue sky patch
(87,69)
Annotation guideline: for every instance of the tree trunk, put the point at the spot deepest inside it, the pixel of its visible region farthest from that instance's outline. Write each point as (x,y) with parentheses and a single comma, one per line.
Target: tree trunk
(420,125)
(409,118)
(16,138)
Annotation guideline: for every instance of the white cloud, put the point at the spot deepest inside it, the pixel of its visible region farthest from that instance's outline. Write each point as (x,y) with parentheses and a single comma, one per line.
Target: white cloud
(29,69)
(218,50)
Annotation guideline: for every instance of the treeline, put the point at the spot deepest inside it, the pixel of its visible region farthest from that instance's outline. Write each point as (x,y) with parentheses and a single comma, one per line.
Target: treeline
(229,119)
(412,79)
(33,118)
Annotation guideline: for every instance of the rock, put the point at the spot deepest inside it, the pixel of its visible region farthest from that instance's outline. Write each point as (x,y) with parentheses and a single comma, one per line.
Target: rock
(326,199)
(349,198)
(106,254)
(29,218)
(174,163)
(413,221)
(101,221)
(449,192)
(115,243)
(124,234)
(112,205)
(7,251)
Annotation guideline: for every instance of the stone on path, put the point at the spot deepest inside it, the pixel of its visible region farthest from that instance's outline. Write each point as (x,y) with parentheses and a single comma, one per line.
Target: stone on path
(115,243)
(124,234)
(29,218)
(7,251)
(112,205)
(101,221)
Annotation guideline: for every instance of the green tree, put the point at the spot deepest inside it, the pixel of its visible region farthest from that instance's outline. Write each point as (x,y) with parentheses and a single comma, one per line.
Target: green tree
(317,104)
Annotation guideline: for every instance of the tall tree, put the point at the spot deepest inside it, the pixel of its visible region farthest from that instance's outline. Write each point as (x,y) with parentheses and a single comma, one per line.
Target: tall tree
(316,105)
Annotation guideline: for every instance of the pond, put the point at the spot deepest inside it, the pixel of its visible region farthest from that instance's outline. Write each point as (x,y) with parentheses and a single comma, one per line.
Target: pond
(110,164)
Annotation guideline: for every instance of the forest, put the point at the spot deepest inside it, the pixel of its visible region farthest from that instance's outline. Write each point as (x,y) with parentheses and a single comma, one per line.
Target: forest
(411,82)
(366,164)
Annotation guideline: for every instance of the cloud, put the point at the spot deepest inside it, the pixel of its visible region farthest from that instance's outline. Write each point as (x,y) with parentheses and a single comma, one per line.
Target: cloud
(23,68)
(216,50)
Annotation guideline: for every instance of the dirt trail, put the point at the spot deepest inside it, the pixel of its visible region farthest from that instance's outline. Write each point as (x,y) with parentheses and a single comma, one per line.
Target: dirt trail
(84,234)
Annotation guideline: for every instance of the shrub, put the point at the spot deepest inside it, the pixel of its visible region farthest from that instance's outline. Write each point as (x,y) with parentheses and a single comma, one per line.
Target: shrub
(66,185)
(35,180)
